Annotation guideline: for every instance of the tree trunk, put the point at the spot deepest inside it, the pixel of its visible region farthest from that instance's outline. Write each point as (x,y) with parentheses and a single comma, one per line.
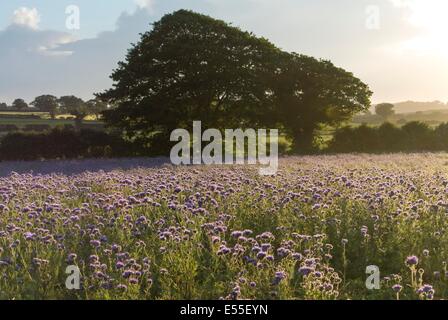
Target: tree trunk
(303,141)
(78,123)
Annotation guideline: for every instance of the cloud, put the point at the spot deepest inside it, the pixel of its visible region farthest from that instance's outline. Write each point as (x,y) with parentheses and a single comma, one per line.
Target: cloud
(145,4)
(35,61)
(26,17)
(22,40)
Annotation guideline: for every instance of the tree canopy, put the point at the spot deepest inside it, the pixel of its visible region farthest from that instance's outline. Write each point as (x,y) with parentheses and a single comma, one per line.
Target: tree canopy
(385,110)
(310,92)
(47,103)
(193,67)
(96,107)
(74,106)
(19,104)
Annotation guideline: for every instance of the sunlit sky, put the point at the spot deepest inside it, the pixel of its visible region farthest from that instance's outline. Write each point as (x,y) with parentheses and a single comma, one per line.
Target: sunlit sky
(398,47)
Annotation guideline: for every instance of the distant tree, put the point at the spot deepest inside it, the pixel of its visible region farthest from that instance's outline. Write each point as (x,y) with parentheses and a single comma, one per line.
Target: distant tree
(385,110)
(402,121)
(96,107)
(3,106)
(19,104)
(47,103)
(74,106)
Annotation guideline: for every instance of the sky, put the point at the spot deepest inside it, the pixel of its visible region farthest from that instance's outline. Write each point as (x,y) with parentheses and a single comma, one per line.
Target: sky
(398,47)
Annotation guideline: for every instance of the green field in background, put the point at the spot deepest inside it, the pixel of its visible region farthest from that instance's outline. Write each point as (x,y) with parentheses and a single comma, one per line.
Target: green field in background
(20,119)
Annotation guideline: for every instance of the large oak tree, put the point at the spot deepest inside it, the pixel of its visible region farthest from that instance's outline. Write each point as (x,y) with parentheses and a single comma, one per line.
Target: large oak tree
(192,67)
(189,67)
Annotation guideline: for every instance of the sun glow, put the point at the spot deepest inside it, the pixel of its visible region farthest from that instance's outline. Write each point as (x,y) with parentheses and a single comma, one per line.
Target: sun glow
(431,17)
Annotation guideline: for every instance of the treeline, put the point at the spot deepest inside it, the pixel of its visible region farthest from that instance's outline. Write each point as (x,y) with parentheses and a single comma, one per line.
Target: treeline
(64,142)
(412,137)
(72,105)
(67,143)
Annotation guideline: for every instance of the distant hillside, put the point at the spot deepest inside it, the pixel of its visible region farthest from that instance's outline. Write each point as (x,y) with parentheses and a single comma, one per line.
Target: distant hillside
(413,106)
(431,113)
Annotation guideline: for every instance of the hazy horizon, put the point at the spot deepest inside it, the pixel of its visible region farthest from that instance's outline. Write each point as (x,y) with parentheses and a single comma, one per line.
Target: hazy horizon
(396,46)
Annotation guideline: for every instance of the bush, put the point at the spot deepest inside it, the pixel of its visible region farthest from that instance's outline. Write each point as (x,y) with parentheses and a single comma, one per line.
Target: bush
(20,116)
(441,136)
(361,139)
(8,127)
(62,143)
(390,138)
(418,136)
(67,127)
(412,137)
(37,127)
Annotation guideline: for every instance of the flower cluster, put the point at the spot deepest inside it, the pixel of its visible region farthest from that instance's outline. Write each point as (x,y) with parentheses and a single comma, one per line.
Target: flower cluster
(208,232)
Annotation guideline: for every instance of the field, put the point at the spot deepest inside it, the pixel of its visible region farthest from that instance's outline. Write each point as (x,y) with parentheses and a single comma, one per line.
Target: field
(163,232)
(430,117)
(21,119)
(41,114)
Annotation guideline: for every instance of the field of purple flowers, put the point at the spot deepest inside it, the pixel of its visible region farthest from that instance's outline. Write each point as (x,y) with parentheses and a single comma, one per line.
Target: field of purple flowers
(226,232)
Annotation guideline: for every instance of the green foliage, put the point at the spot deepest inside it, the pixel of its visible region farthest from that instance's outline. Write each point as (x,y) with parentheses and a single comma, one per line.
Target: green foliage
(432,118)
(310,93)
(37,127)
(384,110)
(96,107)
(389,137)
(192,67)
(19,104)
(189,67)
(8,127)
(412,137)
(47,103)
(418,136)
(227,232)
(74,106)
(62,143)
